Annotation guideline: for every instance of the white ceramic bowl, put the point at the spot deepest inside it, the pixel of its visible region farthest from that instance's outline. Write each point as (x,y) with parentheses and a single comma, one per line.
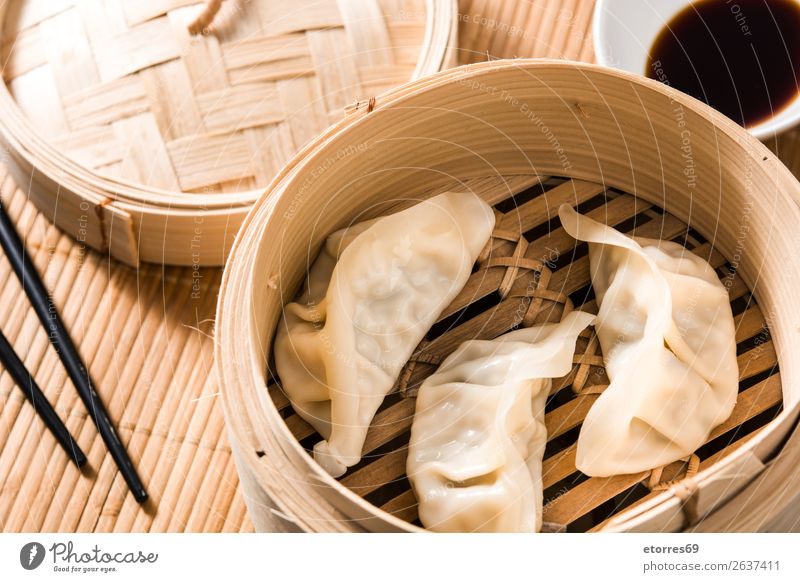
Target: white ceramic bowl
(624,31)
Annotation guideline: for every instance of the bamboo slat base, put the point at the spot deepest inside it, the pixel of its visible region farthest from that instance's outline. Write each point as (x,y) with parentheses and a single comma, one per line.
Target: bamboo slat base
(489,306)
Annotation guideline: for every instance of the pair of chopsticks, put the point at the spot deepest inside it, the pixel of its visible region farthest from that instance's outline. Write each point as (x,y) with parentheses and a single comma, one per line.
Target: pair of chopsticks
(48,316)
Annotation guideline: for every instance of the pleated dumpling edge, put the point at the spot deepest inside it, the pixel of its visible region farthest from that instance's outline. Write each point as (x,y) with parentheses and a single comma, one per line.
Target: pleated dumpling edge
(372,294)
(667,333)
(478,435)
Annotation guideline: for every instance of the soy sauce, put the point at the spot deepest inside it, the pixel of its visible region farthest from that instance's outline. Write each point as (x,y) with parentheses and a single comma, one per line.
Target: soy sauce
(742,57)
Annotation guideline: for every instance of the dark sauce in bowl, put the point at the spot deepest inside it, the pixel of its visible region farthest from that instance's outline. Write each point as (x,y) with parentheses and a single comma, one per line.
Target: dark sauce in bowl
(742,57)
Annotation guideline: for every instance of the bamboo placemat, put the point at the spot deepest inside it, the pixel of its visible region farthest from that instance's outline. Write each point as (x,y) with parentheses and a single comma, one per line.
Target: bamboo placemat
(145,335)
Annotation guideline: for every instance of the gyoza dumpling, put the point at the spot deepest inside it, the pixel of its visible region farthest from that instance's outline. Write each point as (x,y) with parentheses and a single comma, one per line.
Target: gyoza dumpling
(666,329)
(340,348)
(478,436)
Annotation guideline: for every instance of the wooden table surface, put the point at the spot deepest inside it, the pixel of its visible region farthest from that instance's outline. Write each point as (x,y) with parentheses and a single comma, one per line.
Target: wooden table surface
(146,335)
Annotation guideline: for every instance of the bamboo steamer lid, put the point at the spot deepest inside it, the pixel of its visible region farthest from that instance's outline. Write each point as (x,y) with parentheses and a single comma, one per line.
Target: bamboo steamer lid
(496,128)
(151,144)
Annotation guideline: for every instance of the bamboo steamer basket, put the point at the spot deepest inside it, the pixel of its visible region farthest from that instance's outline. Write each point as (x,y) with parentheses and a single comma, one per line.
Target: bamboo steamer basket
(526,135)
(149,144)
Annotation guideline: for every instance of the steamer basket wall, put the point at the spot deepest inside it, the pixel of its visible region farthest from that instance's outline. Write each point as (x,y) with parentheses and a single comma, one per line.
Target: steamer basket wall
(505,119)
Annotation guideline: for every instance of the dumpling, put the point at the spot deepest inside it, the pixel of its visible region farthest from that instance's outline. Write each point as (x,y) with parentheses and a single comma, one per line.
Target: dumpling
(371,296)
(667,334)
(478,435)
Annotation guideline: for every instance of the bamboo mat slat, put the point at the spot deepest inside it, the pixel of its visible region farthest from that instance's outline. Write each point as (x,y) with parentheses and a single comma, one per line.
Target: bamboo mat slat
(145,337)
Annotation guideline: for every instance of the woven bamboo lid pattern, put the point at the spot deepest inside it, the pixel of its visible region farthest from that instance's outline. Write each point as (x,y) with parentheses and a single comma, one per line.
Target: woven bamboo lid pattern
(142,131)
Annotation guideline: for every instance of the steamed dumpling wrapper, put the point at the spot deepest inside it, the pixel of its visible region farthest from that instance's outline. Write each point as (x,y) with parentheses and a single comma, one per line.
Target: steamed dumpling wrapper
(667,334)
(478,436)
(371,296)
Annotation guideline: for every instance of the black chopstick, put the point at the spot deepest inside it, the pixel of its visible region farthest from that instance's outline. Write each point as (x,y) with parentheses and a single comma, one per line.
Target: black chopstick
(23,378)
(59,338)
